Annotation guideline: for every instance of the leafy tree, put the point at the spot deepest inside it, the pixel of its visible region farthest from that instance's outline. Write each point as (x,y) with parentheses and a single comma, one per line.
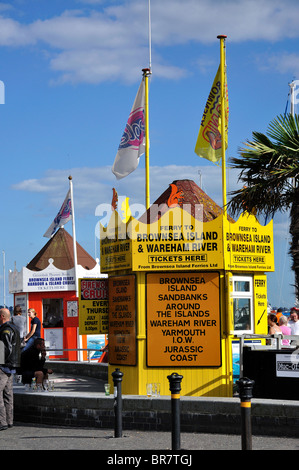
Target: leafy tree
(269,169)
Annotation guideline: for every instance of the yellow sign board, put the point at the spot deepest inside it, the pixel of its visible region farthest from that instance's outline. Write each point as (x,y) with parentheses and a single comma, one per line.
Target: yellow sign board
(183,319)
(122,321)
(248,245)
(93,306)
(115,245)
(175,245)
(260,303)
(178,241)
(115,255)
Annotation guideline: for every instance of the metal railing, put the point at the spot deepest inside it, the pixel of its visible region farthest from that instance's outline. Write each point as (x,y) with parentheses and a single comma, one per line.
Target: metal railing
(294,343)
(89,351)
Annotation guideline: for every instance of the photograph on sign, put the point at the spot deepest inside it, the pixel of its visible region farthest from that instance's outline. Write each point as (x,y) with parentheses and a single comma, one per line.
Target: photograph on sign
(122,321)
(183,319)
(95,345)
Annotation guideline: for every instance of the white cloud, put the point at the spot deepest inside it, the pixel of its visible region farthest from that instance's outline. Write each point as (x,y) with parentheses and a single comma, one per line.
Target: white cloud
(283,62)
(93,186)
(31,185)
(241,20)
(97,65)
(94,46)
(13,33)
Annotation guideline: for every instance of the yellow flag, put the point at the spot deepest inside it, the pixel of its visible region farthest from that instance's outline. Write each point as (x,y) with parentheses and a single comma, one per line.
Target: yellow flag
(209,140)
(126,211)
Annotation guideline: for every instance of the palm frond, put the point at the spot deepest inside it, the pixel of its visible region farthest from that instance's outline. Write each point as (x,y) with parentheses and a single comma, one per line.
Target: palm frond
(267,163)
(284,130)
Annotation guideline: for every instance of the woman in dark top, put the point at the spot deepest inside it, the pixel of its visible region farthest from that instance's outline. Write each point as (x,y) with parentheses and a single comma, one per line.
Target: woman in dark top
(34,330)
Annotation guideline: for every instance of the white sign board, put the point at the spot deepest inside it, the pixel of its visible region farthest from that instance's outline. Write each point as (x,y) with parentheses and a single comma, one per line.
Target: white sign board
(287,365)
(54,337)
(50,278)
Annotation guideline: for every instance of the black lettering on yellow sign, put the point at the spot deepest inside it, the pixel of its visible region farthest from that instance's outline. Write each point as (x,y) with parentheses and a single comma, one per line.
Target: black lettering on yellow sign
(122,320)
(251,243)
(115,248)
(172,236)
(183,320)
(182,280)
(204,241)
(93,306)
(249,248)
(180,247)
(259,282)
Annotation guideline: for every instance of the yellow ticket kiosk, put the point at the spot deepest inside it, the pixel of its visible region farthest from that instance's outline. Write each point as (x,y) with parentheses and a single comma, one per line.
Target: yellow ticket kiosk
(184,279)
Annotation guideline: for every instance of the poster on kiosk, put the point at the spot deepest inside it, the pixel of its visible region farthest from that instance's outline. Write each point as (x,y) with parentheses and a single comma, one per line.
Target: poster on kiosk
(93,314)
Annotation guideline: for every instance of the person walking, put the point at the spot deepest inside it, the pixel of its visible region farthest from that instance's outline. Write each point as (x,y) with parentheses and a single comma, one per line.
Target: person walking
(293,322)
(19,321)
(9,361)
(273,328)
(286,330)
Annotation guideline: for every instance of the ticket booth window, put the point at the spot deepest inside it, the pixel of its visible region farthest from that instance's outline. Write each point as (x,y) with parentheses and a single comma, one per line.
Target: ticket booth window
(52,313)
(243,304)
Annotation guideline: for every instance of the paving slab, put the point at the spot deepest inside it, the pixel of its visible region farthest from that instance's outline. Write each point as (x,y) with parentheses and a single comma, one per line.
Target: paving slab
(45,438)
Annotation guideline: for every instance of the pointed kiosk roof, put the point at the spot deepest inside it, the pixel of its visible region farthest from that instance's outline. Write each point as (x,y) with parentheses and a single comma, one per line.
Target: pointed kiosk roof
(60,249)
(186,194)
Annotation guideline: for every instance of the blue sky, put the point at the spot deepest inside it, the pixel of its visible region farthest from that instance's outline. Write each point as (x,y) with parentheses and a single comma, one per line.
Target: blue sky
(71,70)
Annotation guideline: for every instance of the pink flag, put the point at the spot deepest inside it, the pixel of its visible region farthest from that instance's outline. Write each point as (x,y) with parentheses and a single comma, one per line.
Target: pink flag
(132,144)
(63,216)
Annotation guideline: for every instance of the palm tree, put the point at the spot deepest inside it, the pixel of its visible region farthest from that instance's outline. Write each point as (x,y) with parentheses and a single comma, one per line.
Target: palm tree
(269,169)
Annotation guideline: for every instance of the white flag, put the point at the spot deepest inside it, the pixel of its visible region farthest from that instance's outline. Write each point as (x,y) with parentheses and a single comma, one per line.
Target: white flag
(132,144)
(63,216)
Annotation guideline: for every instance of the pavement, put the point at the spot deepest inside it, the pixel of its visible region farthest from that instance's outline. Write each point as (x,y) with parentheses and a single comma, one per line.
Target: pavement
(43,438)
(71,384)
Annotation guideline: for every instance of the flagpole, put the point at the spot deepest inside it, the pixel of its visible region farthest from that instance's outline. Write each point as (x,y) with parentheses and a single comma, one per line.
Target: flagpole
(150,34)
(222,74)
(223,148)
(146,74)
(292,86)
(74,234)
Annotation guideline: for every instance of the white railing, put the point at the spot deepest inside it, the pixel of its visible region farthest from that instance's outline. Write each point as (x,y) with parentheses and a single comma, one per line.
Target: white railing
(48,350)
(294,343)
